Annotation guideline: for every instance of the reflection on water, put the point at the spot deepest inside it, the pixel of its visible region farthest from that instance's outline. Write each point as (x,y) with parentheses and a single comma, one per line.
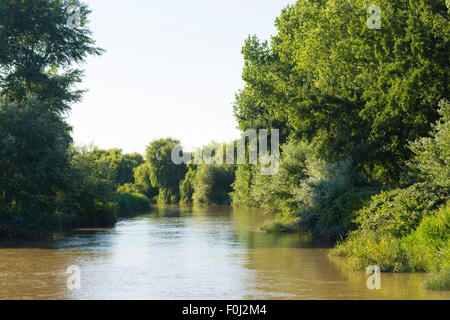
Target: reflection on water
(173,253)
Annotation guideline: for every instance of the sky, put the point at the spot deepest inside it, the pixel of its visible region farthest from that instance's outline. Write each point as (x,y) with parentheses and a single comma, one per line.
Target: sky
(171,69)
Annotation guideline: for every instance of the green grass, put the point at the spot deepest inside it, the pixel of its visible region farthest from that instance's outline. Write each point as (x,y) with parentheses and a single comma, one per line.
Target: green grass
(425,249)
(439,281)
(367,248)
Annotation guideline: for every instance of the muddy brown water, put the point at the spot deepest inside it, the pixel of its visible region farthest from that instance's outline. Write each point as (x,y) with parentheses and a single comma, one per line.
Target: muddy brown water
(207,253)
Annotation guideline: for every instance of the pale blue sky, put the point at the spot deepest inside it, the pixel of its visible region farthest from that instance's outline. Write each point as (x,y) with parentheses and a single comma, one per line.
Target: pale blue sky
(171,68)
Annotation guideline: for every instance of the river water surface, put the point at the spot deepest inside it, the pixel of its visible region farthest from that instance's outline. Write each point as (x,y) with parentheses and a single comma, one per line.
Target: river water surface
(208,253)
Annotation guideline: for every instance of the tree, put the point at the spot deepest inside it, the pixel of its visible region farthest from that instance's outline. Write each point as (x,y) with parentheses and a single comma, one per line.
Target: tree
(126,164)
(356,92)
(118,166)
(37,51)
(187,187)
(143,182)
(164,174)
(431,161)
(92,199)
(212,184)
(242,186)
(34,166)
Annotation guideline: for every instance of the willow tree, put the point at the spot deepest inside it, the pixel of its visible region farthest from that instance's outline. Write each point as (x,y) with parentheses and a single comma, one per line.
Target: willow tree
(164,174)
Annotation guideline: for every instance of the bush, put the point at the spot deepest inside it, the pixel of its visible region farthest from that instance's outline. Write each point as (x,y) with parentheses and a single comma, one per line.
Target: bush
(128,188)
(429,245)
(400,211)
(242,187)
(327,198)
(439,281)
(403,229)
(432,155)
(369,248)
(131,203)
(279,193)
(167,196)
(425,249)
(321,196)
(212,184)
(34,168)
(337,218)
(281,224)
(93,200)
(273,194)
(187,187)
(142,184)
(28,222)
(104,215)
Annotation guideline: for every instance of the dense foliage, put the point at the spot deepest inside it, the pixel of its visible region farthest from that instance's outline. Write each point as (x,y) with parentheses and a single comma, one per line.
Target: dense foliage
(163,173)
(37,50)
(408,229)
(34,168)
(357,92)
(212,184)
(357,109)
(187,187)
(45,183)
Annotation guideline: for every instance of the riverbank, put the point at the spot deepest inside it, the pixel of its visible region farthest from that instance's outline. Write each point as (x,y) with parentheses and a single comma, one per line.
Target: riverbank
(398,231)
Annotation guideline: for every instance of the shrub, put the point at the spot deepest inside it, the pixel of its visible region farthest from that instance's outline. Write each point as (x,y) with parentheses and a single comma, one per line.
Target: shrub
(104,215)
(187,188)
(426,249)
(212,184)
(429,245)
(369,248)
(400,211)
(242,187)
(278,193)
(93,201)
(273,194)
(283,223)
(327,198)
(167,196)
(28,222)
(337,218)
(142,183)
(432,155)
(321,196)
(130,203)
(409,219)
(128,188)
(439,281)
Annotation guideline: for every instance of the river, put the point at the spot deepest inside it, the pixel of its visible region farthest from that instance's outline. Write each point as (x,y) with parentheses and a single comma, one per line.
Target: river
(207,253)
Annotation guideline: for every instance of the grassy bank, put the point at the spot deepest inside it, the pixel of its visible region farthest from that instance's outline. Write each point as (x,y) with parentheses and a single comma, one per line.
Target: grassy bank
(395,245)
